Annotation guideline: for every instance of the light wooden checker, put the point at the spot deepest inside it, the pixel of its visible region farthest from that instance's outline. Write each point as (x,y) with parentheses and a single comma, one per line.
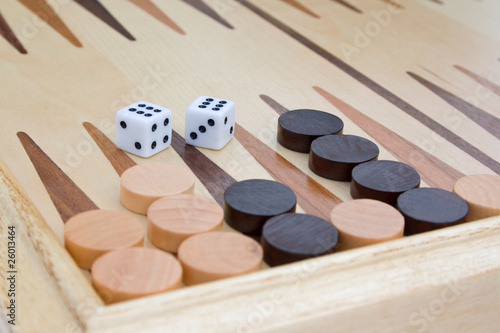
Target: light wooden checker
(216,255)
(90,234)
(363,222)
(131,273)
(423,85)
(482,194)
(141,185)
(171,220)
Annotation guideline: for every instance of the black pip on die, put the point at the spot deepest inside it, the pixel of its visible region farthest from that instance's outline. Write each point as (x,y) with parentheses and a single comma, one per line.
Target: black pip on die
(210,122)
(143,128)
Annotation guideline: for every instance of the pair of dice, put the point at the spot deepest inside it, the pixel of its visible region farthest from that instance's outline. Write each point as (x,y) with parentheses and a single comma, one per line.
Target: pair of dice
(145,129)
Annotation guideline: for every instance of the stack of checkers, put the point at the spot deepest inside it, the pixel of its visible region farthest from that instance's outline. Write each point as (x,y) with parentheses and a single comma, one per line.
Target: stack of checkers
(188,246)
(185,231)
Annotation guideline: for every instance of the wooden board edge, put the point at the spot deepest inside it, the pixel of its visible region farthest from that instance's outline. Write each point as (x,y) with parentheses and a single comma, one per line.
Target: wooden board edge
(442,280)
(78,295)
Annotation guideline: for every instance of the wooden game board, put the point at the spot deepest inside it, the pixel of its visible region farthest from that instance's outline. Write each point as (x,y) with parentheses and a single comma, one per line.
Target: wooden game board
(421,78)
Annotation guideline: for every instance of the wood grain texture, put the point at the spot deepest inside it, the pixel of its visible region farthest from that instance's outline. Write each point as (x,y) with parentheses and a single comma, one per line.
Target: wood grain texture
(207,10)
(38,244)
(301,7)
(217,255)
(487,121)
(8,34)
(213,177)
(394,4)
(488,83)
(97,9)
(135,272)
(348,5)
(4,325)
(379,89)
(117,157)
(45,12)
(440,77)
(313,197)
(433,171)
(436,1)
(153,10)
(67,197)
(362,222)
(280,109)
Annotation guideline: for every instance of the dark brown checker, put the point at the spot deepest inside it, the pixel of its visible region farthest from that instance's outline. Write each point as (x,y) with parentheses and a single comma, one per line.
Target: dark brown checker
(292,237)
(297,129)
(250,203)
(334,156)
(427,209)
(383,180)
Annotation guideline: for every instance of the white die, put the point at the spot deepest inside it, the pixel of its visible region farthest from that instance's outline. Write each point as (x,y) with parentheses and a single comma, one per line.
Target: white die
(143,128)
(210,122)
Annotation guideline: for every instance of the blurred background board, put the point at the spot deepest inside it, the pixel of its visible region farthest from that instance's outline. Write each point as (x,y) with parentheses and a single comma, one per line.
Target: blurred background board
(419,77)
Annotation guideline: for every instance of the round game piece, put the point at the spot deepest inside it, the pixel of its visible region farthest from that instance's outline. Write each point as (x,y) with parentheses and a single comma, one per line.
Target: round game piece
(482,193)
(130,273)
(143,184)
(90,234)
(292,237)
(334,156)
(383,180)
(364,222)
(250,203)
(216,255)
(427,209)
(173,219)
(297,129)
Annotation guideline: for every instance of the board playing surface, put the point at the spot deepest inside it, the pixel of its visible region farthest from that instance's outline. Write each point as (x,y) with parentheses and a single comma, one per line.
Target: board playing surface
(420,78)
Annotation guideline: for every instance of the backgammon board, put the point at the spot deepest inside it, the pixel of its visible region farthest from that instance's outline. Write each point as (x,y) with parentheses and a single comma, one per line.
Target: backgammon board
(421,78)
